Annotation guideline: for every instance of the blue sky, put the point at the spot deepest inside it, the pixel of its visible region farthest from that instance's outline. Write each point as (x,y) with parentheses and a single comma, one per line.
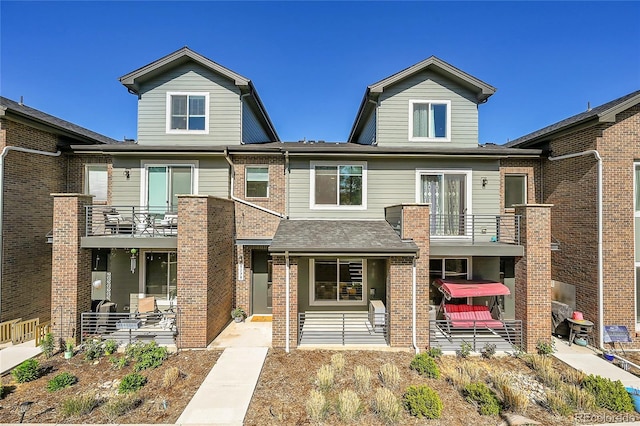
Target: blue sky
(311,61)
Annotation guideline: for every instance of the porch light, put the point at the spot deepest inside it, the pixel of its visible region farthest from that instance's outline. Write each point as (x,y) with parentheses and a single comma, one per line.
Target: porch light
(97,284)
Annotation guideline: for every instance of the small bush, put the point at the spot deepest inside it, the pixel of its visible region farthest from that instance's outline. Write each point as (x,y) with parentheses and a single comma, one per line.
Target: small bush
(110,347)
(61,381)
(146,356)
(1,390)
(131,383)
(386,406)
(349,406)
(479,394)
(325,377)
(465,350)
(27,371)
(120,405)
(119,362)
(362,378)
(557,404)
(316,405)
(425,366)
(546,347)
(610,395)
(389,375)
(434,352)
(488,350)
(338,362)
(578,398)
(422,401)
(171,376)
(48,345)
(79,405)
(93,349)
(514,399)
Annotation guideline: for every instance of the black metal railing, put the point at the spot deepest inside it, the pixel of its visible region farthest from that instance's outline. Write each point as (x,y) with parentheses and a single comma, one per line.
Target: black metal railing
(127,327)
(479,228)
(343,328)
(131,221)
(444,335)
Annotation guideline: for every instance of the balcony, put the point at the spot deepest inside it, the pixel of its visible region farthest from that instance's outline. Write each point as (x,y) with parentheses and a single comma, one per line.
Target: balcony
(137,222)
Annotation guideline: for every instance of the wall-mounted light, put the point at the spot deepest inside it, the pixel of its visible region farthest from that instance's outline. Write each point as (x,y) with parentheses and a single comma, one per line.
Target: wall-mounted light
(485,181)
(127,173)
(97,284)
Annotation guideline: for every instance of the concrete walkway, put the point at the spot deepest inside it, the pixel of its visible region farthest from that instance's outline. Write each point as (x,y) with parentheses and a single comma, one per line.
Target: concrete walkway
(10,356)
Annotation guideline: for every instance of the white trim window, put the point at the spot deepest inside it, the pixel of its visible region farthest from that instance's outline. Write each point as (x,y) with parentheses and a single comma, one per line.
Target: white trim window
(429,121)
(337,281)
(161,182)
(338,185)
(515,190)
(96,181)
(256,181)
(449,193)
(188,112)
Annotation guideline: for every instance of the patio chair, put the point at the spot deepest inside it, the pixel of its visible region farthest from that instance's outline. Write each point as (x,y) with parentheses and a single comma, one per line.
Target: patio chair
(169,223)
(115,223)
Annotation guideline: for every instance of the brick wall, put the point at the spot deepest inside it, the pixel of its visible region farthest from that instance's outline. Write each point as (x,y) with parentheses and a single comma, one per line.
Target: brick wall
(205,268)
(71,265)
(529,167)
(533,275)
(279,302)
(77,171)
(399,301)
(29,179)
(242,290)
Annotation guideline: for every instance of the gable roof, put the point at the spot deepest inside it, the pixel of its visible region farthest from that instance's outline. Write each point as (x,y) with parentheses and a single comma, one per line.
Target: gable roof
(605,113)
(133,80)
(482,90)
(55,124)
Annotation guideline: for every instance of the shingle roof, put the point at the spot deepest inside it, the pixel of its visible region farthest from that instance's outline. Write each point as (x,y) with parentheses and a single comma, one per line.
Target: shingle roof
(57,123)
(601,111)
(339,236)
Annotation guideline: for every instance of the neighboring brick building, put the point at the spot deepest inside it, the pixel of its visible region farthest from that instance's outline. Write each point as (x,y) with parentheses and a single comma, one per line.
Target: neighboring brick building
(605,288)
(35,162)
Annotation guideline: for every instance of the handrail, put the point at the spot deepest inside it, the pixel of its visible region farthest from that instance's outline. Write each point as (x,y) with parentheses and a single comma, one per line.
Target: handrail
(477,227)
(6,329)
(132,221)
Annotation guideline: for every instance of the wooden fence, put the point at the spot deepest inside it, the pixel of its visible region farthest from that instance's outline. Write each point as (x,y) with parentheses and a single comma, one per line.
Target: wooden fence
(41,331)
(6,329)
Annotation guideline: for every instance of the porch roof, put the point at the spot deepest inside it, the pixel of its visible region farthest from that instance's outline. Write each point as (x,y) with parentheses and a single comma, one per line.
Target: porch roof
(339,236)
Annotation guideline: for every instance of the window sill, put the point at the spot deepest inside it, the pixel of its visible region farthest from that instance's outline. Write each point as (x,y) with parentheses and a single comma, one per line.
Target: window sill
(331,207)
(429,139)
(187,132)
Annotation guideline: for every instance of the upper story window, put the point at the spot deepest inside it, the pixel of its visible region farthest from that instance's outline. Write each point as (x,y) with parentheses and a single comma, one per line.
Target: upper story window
(336,185)
(449,194)
(429,120)
(187,112)
(257,182)
(515,190)
(96,181)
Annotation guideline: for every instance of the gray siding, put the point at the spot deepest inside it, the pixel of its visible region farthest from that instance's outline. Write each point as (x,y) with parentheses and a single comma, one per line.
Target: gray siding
(368,134)
(252,131)
(224,107)
(125,192)
(393,181)
(393,112)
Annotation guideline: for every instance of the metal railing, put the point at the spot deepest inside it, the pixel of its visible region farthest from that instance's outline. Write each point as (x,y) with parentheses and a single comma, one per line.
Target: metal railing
(479,228)
(343,328)
(131,221)
(444,335)
(161,327)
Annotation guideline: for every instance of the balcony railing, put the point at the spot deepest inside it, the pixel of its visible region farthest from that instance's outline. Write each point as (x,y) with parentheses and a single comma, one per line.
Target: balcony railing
(131,221)
(506,338)
(161,327)
(343,328)
(479,228)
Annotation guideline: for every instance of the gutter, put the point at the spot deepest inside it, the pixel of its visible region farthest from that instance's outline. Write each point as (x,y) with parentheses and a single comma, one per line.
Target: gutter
(414,338)
(5,151)
(287,170)
(600,251)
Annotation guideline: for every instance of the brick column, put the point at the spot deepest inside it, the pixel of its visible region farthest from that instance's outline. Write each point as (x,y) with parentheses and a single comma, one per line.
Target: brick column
(205,268)
(533,274)
(70,266)
(279,302)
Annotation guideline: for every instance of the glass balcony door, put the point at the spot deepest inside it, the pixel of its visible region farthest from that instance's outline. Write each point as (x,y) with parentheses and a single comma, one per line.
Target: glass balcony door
(164,184)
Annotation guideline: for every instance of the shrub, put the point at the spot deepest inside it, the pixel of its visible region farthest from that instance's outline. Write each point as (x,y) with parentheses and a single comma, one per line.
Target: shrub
(27,371)
(546,347)
(119,362)
(608,394)
(362,378)
(93,349)
(337,362)
(48,345)
(349,406)
(514,399)
(386,406)
(325,377)
(148,355)
(425,366)
(578,398)
(479,394)
(488,350)
(110,347)
(558,404)
(131,383)
(79,405)
(171,376)
(434,352)
(1,390)
(422,401)
(316,406)
(120,405)
(389,375)
(465,350)
(61,381)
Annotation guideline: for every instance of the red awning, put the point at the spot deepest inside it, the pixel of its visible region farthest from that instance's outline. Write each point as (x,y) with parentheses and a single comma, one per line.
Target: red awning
(464,288)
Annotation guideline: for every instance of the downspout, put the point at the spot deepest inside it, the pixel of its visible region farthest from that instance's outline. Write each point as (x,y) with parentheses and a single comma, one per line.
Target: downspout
(287,170)
(287,289)
(600,253)
(234,198)
(414,339)
(5,151)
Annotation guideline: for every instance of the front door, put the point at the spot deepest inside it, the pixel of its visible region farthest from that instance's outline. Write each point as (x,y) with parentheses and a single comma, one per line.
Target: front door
(261,281)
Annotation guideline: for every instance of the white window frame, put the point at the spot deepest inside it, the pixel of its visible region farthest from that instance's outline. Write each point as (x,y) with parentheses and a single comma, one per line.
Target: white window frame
(337,302)
(312,185)
(187,131)
(87,167)
(413,102)
(142,276)
(526,184)
(144,168)
(468,196)
(246,180)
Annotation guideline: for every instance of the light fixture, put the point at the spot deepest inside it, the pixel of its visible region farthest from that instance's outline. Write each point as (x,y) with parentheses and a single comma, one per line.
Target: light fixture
(97,284)
(127,173)
(134,260)
(485,181)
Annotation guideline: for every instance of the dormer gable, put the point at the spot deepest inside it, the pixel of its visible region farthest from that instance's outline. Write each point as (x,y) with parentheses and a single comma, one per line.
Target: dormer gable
(185,98)
(427,103)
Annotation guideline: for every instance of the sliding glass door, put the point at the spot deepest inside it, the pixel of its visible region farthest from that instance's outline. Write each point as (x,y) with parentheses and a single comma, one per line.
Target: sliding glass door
(163,185)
